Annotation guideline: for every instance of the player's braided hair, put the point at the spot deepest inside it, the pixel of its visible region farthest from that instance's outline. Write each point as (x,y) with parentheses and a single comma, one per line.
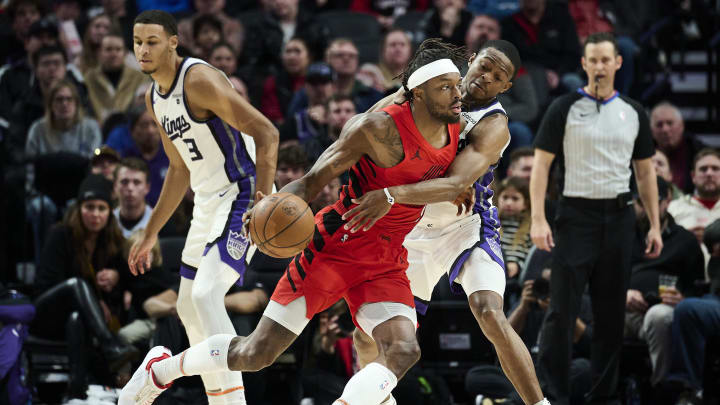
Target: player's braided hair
(430,50)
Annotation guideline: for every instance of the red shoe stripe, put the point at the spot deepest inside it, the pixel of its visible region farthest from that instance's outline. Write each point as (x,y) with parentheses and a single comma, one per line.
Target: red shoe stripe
(154,380)
(227,391)
(182,361)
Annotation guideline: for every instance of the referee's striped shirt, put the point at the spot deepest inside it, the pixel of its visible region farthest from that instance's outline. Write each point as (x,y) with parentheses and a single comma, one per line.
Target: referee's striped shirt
(594,142)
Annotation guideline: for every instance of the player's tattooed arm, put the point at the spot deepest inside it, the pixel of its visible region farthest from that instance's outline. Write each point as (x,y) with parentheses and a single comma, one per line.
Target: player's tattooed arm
(389,140)
(352,144)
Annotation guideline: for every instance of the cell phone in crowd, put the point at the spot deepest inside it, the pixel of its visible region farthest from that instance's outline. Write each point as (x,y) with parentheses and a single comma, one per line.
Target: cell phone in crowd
(541,288)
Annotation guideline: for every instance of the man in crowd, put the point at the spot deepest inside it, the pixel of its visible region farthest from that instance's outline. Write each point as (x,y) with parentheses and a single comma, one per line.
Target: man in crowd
(648,312)
(112,85)
(668,129)
(132,187)
(521,163)
(696,211)
(292,164)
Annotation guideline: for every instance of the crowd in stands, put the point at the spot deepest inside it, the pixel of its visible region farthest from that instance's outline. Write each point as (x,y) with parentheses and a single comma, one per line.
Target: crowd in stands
(83,165)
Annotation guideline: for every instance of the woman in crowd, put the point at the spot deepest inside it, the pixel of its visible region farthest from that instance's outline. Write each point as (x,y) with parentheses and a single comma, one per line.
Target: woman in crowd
(278,89)
(96,29)
(79,285)
(62,129)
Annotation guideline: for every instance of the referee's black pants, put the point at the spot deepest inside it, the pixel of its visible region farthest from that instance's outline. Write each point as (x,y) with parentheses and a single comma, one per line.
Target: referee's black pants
(593,244)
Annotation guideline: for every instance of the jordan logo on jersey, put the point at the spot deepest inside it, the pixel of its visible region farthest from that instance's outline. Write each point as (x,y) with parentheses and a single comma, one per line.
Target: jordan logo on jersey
(417,155)
(175,128)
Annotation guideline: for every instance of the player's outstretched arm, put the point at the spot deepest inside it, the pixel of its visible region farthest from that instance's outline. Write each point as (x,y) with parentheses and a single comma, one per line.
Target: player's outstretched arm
(208,89)
(352,144)
(176,183)
(487,142)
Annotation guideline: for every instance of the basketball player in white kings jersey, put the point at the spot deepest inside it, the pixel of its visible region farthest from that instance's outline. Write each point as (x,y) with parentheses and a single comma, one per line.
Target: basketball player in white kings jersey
(226,151)
(464,245)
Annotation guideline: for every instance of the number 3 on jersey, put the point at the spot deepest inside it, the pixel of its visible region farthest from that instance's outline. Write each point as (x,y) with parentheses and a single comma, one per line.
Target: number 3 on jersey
(193,149)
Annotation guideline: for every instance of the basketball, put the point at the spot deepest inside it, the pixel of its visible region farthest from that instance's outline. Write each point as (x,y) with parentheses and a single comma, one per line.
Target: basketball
(282,225)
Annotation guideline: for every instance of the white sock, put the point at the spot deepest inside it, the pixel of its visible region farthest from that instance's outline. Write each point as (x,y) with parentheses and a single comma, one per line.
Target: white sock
(208,356)
(543,402)
(370,386)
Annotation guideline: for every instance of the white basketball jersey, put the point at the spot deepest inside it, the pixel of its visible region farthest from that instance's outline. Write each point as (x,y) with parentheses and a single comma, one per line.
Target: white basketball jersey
(216,154)
(445,213)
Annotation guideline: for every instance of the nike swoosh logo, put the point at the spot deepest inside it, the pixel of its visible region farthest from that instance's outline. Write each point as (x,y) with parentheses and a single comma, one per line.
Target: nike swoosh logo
(224,192)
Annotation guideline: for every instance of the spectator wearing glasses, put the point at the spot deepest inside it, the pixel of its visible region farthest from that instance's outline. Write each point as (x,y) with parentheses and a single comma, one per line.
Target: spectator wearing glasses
(342,56)
(63,129)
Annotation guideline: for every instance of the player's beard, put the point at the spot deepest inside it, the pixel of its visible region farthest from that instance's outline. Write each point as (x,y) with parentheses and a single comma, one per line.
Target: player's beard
(443,114)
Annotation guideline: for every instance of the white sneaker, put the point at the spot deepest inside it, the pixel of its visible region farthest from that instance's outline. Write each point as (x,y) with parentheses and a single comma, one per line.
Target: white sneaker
(142,389)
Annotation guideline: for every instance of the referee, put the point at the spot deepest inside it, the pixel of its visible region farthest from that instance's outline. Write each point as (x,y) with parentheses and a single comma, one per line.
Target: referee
(595,133)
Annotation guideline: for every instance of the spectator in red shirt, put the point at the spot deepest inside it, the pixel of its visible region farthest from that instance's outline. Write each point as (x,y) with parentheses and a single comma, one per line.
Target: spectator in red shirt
(278,90)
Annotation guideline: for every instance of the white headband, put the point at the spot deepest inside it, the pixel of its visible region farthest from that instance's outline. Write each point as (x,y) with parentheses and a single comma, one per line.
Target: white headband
(431,70)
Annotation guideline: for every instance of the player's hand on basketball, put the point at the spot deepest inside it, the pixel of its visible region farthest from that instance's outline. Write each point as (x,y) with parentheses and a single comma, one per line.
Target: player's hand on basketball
(654,243)
(259,196)
(140,256)
(248,215)
(465,200)
(541,234)
(371,206)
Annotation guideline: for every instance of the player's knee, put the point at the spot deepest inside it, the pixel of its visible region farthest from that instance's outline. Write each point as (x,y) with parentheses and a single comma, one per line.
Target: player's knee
(362,341)
(492,322)
(401,355)
(185,309)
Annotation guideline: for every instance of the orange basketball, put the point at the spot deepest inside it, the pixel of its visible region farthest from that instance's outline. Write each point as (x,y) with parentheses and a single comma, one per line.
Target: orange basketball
(282,225)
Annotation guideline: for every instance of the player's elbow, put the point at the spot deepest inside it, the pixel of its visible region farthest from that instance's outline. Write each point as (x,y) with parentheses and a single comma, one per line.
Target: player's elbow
(271,135)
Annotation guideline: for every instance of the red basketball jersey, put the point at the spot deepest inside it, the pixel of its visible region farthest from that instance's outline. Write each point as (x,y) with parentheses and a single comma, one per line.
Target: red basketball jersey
(422,162)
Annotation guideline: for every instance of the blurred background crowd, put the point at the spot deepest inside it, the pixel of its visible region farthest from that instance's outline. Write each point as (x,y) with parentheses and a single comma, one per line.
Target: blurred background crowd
(83,165)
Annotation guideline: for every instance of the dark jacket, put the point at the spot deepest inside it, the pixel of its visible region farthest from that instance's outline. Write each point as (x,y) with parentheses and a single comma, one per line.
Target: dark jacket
(681,256)
(59,262)
(553,44)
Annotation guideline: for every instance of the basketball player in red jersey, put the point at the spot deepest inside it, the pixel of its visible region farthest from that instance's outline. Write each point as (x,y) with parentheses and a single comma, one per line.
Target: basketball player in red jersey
(402,144)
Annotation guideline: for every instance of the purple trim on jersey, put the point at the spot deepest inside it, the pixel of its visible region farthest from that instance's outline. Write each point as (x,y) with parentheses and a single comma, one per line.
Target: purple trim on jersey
(232,244)
(421,306)
(591,97)
(233,148)
(487,236)
(187,271)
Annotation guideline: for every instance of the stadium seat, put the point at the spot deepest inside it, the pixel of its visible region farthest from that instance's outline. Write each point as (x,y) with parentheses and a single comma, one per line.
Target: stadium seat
(171,250)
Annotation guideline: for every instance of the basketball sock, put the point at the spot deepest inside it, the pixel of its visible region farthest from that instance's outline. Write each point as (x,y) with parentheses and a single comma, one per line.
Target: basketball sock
(543,402)
(214,278)
(209,356)
(370,386)
(194,329)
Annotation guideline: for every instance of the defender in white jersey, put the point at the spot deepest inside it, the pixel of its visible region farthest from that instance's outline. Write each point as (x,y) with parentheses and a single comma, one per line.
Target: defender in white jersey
(465,243)
(226,151)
